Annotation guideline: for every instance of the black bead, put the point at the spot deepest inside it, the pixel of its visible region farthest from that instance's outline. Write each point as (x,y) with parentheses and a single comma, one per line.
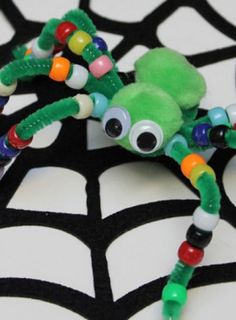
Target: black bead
(217,136)
(197,237)
(146,141)
(113,128)
(4,161)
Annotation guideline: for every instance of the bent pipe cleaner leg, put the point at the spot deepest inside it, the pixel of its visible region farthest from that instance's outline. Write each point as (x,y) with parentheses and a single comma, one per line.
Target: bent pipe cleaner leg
(81,27)
(77,31)
(25,68)
(20,135)
(199,234)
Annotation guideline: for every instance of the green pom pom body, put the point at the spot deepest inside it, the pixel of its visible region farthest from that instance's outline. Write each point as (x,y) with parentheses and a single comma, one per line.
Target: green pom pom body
(171,71)
(148,102)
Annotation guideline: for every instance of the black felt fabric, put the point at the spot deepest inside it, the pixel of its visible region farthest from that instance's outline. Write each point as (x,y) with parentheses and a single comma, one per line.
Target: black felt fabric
(91,229)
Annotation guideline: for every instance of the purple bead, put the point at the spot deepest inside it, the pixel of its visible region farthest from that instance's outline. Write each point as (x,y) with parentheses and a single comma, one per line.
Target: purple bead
(99,43)
(5,151)
(199,134)
(3,101)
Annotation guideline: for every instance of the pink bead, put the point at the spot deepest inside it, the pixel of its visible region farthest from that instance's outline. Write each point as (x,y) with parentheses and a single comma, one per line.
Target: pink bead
(100,66)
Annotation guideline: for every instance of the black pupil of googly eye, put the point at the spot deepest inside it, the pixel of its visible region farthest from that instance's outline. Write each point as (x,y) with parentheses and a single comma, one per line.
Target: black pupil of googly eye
(146,141)
(113,128)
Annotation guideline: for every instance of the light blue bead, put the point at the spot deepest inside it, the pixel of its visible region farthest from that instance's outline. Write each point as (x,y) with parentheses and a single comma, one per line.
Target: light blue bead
(218,116)
(100,104)
(176,138)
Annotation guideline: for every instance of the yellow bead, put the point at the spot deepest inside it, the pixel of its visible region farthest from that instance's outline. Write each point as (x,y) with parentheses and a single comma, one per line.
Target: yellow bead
(198,170)
(79,41)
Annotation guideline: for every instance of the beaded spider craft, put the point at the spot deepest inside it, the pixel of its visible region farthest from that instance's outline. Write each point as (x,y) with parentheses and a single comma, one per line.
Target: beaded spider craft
(156,115)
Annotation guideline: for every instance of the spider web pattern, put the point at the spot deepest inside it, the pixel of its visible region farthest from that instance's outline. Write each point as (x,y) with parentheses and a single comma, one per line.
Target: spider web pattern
(95,232)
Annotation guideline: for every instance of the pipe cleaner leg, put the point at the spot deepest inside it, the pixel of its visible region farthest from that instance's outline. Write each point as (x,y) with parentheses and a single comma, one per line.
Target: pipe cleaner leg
(58,69)
(77,31)
(48,42)
(20,136)
(217,129)
(199,234)
(222,135)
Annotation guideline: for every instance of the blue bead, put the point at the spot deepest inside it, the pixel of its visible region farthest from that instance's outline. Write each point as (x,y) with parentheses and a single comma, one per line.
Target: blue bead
(218,116)
(3,101)
(100,104)
(170,144)
(199,134)
(99,43)
(5,151)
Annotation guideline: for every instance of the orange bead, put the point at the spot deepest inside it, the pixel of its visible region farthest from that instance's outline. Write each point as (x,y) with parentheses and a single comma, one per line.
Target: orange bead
(60,69)
(28,51)
(189,162)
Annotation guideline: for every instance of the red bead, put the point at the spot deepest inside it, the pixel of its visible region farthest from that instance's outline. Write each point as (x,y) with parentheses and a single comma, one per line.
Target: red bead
(15,141)
(64,30)
(235,126)
(190,255)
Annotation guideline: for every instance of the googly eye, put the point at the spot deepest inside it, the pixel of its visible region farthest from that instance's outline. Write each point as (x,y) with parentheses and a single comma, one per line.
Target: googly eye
(146,136)
(116,122)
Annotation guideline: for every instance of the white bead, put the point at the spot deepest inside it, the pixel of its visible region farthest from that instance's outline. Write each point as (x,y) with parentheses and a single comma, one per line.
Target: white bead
(40,53)
(79,77)
(85,106)
(7,90)
(231,112)
(204,220)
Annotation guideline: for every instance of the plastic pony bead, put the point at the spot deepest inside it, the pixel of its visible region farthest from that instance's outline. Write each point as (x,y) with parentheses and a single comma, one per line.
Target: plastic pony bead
(78,77)
(79,41)
(100,66)
(154,116)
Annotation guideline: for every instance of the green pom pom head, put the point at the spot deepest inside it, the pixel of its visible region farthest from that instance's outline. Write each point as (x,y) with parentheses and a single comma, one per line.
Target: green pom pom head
(142,118)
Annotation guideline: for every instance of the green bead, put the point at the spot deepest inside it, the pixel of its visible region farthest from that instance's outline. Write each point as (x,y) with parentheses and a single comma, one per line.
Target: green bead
(174,292)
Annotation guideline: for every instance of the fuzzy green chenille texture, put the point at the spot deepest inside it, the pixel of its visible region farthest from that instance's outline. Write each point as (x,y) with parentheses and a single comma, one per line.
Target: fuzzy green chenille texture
(19,69)
(209,193)
(43,117)
(47,36)
(171,71)
(81,20)
(19,52)
(230,138)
